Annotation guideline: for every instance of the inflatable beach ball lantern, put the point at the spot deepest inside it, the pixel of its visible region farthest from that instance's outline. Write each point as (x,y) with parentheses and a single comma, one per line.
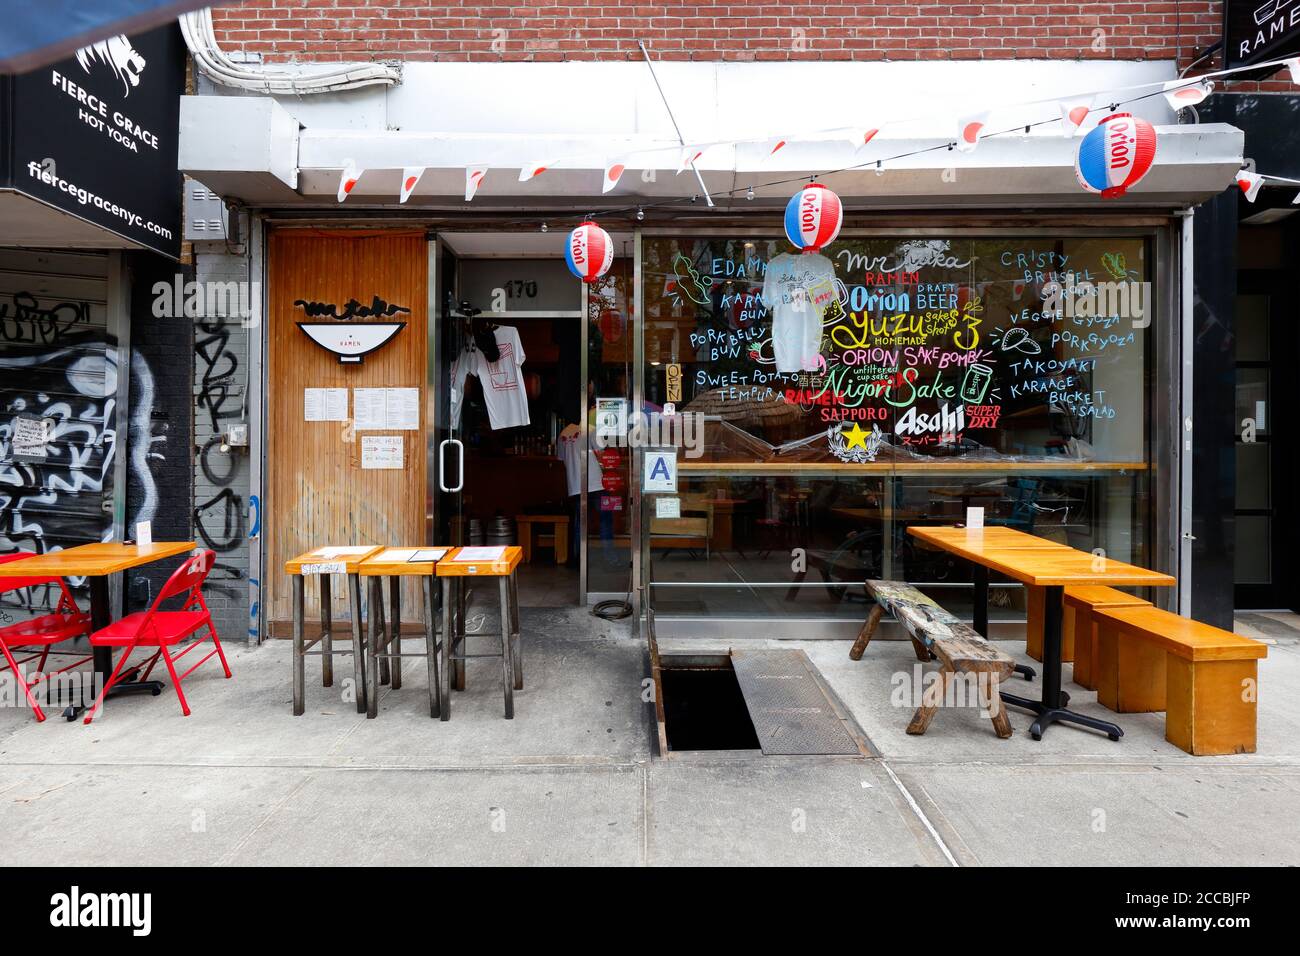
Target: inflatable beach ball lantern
(813,217)
(1115,155)
(590,252)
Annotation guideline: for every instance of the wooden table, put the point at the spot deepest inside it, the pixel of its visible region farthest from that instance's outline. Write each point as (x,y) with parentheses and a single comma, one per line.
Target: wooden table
(96,562)
(320,563)
(385,644)
(559,531)
(1039,563)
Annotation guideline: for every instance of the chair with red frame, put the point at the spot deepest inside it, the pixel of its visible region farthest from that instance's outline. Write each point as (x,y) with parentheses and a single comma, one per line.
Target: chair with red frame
(66,622)
(163,630)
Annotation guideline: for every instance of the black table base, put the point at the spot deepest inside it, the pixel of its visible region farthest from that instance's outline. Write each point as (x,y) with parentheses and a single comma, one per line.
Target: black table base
(101,615)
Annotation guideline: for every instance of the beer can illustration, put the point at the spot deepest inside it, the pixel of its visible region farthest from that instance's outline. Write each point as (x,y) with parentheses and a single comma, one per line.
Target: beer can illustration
(975,384)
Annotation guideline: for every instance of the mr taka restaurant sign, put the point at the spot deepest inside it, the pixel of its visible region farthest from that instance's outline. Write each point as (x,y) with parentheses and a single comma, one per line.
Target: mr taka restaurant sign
(1257,31)
(96,136)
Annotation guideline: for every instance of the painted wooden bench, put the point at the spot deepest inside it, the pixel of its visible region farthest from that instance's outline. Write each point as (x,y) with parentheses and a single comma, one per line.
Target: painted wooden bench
(1204,678)
(937,634)
(1079,629)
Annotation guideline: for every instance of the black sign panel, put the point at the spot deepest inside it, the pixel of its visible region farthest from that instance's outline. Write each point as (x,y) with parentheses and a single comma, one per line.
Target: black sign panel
(1257,31)
(96,136)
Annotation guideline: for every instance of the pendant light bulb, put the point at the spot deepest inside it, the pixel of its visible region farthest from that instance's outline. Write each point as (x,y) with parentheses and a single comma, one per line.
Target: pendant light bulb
(544,227)
(640,214)
(749,193)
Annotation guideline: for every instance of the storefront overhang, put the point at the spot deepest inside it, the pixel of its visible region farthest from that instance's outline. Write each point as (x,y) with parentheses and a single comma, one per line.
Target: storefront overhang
(250,148)
(29,223)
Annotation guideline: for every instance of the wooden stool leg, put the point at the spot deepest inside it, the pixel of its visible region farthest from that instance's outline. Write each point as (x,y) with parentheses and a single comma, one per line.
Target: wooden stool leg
(1085,647)
(299,661)
(431,645)
(561,542)
(516,651)
(931,701)
(1141,677)
(1034,605)
(326,634)
(507,666)
(358,642)
(525,540)
(1068,621)
(444,652)
(1212,706)
(395,629)
(864,635)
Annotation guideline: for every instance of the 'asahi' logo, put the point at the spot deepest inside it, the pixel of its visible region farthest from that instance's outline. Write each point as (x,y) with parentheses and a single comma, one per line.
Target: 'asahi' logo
(94,910)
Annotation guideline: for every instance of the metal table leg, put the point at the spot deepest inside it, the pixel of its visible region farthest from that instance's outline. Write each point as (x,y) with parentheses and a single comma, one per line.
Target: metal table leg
(1052,708)
(377,615)
(444,652)
(395,629)
(460,642)
(372,692)
(516,653)
(299,658)
(326,634)
(982,614)
(358,643)
(507,667)
(431,646)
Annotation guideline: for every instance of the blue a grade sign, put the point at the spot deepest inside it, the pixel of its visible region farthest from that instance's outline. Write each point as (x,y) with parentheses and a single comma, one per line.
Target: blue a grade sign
(1256,31)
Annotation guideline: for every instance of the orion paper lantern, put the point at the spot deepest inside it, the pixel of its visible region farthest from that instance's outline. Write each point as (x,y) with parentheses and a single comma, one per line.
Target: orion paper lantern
(1115,155)
(813,217)
(589,252)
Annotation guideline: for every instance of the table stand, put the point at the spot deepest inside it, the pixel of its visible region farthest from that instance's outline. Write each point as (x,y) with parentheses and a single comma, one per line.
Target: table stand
(101,616)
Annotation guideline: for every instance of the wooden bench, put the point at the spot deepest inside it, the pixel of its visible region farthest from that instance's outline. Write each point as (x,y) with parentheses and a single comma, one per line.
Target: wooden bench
(1079,629)
(937,634)
(1204,678)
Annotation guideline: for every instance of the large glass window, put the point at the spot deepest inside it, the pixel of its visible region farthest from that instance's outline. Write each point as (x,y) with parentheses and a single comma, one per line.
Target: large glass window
(886,382)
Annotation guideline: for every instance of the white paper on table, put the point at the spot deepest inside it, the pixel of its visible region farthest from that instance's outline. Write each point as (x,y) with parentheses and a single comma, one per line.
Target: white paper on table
(330,553)
(428,554)
(370,408)
(974,519)
(480,554)
(382,452)
(144,535)
(395,554)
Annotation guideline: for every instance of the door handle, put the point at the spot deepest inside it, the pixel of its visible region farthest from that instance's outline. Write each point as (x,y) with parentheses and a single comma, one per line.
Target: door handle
(442,464)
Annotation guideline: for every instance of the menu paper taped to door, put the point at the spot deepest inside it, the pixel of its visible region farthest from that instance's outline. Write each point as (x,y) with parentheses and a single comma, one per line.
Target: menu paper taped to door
(389,409)
(324,404)
(380,452)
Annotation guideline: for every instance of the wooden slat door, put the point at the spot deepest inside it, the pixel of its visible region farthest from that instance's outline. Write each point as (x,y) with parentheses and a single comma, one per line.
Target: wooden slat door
(318,493)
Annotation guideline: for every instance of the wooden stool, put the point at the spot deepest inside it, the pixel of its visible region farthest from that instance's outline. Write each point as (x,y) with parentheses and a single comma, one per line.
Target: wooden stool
(1079,626)
(385,643)
(321,563)
(559,535)
(454,570)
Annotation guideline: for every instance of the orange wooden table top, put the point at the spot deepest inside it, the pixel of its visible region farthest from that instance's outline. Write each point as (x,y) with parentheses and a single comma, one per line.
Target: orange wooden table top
(328,559)
(93,560)
(395,562)
(464,562)
(949,537)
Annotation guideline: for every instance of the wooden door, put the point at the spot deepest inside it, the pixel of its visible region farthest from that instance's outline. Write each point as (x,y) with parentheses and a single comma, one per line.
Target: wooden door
(318,492)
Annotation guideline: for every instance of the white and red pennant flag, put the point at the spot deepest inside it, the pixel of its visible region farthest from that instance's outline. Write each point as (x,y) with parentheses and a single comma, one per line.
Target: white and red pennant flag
(348,181)
(1180,94)
(1249,184)
(473,179)
(410,176)
(614,170)
(774,146)
(690,156)
(1074,113)
(969,129)
(533,170)
(862,135)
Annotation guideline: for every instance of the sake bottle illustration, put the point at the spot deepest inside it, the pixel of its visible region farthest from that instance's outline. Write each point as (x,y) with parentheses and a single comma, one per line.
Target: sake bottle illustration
(975,384)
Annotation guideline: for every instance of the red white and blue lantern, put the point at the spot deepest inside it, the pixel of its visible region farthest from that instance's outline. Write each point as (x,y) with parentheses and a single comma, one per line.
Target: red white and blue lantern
(813,217)
(589,252)
(1115,155)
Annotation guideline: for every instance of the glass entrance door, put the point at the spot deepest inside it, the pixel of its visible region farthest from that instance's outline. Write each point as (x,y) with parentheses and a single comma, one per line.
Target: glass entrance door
(446,444)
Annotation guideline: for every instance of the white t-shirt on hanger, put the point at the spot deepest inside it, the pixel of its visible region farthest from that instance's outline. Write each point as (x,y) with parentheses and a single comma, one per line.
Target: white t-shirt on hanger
(798,290)
(570,450)
(503,381)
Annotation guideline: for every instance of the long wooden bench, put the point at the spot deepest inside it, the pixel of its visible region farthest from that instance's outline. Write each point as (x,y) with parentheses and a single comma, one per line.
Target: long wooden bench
(1079,628)
(937,634)
(1204,678)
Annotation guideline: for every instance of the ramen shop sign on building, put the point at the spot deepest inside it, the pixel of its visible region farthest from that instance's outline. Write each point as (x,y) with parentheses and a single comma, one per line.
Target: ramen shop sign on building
(1257,31)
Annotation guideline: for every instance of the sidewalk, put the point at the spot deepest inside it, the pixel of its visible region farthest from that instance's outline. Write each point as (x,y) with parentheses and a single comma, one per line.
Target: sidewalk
(572,779)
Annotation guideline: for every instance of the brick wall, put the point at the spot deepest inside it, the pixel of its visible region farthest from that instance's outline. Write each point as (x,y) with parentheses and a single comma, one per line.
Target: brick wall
(333,30)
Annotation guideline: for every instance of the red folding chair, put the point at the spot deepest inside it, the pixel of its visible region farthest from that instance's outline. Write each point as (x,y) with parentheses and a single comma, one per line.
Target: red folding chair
(165,629)
(66,622)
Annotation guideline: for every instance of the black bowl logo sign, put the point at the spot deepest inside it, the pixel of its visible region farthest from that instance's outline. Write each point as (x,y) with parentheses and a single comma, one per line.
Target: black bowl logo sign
(350,341)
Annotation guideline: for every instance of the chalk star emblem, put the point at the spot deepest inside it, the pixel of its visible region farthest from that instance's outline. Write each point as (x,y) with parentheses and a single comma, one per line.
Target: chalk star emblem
(856,437)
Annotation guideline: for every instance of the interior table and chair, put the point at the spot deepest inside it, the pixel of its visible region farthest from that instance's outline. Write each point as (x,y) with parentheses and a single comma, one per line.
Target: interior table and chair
(321,563)
(96,562)
(1037,562)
